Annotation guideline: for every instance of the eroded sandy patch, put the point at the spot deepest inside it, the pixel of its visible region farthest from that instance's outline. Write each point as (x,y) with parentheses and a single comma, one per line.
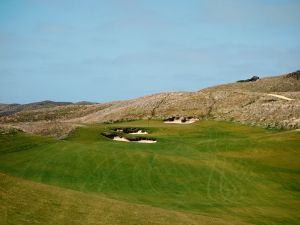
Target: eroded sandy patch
(281,97)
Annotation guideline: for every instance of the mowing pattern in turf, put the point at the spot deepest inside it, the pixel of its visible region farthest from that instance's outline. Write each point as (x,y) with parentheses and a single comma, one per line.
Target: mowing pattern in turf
(210,168)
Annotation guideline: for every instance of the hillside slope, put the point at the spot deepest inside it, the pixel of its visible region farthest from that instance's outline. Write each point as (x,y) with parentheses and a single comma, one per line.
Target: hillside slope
(10,109)
(26,202)
(252,103)
(283,83)
(243,102)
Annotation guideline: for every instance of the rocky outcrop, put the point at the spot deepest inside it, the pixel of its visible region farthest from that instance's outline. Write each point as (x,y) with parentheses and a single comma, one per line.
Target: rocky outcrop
(294,75)
(254,78)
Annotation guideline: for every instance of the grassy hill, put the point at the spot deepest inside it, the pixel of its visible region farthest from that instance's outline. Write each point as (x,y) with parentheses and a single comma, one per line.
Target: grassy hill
(10,109)
(193,173)
(282,83)
(246,103)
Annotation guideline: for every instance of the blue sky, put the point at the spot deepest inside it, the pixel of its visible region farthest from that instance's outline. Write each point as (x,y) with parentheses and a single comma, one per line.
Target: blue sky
(96,50)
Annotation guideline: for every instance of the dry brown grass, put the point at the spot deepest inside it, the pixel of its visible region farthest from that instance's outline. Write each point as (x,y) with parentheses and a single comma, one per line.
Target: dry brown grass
(282,83)
(247,103)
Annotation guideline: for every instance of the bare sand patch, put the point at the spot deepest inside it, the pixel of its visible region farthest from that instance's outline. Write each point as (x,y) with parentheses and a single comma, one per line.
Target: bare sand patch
(281,97)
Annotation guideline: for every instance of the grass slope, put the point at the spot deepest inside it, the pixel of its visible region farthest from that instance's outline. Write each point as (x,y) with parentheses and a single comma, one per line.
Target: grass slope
(217,169)
(26,202)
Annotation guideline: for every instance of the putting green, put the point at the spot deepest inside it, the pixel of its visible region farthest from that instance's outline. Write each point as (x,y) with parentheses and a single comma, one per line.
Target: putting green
(218,169)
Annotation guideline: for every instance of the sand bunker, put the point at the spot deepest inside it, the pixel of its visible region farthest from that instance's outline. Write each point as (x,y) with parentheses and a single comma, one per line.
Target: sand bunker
(181,120)
(130,130)
(139,132)
(145,141)
(281,97)
(128,134)
(117,138)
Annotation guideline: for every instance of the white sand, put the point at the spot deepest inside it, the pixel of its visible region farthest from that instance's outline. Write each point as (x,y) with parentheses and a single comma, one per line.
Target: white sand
(117,138)
(146,141)
(139,132)
(188,121)
(281,97)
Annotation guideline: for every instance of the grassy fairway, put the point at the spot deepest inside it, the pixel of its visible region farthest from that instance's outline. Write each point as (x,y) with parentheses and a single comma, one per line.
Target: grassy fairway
(210,168)
(26,202)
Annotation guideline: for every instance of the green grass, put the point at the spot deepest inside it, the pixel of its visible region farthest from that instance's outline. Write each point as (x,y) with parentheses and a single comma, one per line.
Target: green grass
(218,169)
(27,202)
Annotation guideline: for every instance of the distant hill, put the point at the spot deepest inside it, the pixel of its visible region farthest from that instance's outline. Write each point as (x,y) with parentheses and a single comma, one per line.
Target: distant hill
(272,102)
(9,109)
